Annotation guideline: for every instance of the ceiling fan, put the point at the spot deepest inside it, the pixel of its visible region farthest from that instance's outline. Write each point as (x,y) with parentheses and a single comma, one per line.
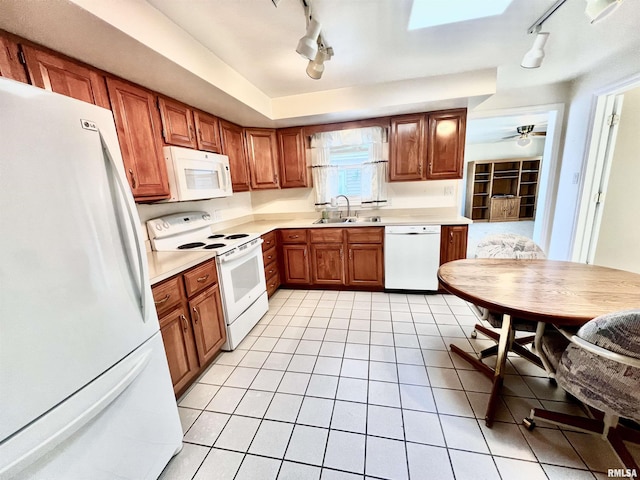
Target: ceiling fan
(525,132)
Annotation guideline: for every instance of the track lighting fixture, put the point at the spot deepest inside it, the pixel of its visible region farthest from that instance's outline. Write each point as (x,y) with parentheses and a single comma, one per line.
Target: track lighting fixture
(308,45)
(533,58)
(598,9)
(313,46)
(316,66)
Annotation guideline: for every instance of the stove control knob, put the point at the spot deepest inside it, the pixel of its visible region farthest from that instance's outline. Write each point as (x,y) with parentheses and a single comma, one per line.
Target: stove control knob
(206,216)
(165,224)
(158,226)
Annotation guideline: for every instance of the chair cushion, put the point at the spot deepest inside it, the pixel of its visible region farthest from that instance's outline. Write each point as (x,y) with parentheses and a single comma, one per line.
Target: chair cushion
(609,386)
(508,245)
(553,345)
(618,332)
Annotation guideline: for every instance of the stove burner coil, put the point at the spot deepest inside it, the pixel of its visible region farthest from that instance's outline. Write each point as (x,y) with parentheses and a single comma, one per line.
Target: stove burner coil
(214,245)
(236,236)
(188,246)
(217,235)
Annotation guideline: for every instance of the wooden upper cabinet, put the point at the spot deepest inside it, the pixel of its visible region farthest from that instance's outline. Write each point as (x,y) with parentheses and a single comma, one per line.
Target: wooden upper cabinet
(138,126)
(10,65)
(232,140)
(445,156)
(262,153)
(64,76)
(207,132)
(177,123)
(293,164)
(407,149)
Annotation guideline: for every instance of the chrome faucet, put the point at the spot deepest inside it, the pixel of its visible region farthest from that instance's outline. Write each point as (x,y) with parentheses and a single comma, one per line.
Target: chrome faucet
(348,204)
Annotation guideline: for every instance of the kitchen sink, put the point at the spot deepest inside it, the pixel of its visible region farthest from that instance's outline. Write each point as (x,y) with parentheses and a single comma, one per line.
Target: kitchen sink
(372,219)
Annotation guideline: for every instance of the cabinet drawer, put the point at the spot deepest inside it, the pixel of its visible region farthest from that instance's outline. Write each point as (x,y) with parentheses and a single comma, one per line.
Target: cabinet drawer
(269,256)
(167,295)
(326,235)
(365,234)
(273,283)
(293,235)
(200,277)
(268,240)
(271,269)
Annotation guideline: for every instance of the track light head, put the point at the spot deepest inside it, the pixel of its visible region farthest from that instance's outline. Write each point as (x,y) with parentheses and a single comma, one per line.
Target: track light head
(315,69)
(308,45)
(533,58)
(598,9)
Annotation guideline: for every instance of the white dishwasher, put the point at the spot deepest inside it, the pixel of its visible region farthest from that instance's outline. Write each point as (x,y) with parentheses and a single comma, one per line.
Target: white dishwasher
(411,257)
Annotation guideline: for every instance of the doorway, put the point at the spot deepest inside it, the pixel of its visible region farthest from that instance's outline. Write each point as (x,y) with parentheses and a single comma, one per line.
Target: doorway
(609,232)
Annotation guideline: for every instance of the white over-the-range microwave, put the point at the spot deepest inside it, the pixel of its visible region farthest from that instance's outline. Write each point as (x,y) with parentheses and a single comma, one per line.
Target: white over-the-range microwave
(196,175)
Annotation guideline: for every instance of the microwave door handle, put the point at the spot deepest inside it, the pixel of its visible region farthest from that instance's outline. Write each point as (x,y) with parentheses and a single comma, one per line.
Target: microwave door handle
(223,177)
(134,227)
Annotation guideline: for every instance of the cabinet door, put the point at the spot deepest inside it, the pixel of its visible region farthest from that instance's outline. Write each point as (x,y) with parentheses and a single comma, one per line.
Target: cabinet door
(453,243)
(262,152)
(407,148)
(10,66)
(327,264)
(66,77)
(365,265)
(177,123)
(208,323)
(446,141)
(207,132)
(138,125)
(295,261)
(180,348)
(293,164)
(232,139)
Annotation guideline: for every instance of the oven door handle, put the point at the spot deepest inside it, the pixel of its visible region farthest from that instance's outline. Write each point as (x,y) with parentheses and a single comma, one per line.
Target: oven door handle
(239,254)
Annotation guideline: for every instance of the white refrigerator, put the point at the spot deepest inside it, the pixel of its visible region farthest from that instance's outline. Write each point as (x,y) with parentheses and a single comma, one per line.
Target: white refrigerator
(85,391)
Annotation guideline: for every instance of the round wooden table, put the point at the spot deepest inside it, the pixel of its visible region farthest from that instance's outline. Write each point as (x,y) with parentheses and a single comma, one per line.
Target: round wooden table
(561,293)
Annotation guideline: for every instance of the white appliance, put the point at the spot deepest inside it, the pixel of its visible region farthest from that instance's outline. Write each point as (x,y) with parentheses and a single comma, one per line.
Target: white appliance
(196,175)
(411,257)
(85,390)
(238,259)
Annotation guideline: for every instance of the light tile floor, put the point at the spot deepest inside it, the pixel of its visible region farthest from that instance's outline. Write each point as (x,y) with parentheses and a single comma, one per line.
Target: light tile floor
(342,385)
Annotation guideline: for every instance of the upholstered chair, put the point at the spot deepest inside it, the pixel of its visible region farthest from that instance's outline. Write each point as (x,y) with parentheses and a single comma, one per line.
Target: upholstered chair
(601,368)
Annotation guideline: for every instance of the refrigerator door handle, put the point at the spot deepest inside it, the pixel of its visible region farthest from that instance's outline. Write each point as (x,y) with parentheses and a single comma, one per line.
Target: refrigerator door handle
(34,447)
(132,215)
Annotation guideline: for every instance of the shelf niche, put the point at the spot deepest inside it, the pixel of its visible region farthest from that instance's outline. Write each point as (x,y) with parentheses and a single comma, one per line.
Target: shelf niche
(490,182)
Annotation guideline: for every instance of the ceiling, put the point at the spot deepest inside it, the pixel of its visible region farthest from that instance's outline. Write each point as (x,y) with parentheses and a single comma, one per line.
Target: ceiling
(237,58)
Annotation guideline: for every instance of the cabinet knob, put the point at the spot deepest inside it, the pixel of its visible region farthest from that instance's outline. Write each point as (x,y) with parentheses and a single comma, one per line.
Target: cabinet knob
(202,279)
(185,325)
(196,315)
(293,236)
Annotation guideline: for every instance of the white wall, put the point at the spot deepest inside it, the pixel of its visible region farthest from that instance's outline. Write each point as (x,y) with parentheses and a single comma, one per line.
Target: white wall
(619,236)
(221,209)
(578,131)
(498,150)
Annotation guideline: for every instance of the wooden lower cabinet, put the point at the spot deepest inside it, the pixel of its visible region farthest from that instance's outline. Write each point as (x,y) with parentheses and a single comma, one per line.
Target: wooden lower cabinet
(453,243)
(180,348)
(327,264)
(333,257)
(365,266)
(295,264)
(270,258)
(192,325)
(208,323)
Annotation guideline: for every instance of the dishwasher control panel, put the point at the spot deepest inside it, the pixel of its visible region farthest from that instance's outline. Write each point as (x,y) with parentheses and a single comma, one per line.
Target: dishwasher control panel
(412,229)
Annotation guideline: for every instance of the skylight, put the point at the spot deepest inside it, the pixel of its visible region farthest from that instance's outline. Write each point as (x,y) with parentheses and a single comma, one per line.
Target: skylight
(429,13)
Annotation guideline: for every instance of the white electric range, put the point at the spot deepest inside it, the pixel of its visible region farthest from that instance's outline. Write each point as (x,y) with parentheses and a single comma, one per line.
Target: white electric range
(238,259)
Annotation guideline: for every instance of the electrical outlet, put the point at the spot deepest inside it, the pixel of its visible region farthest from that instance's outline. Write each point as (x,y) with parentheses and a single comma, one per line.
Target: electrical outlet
(576,178)
(448,191)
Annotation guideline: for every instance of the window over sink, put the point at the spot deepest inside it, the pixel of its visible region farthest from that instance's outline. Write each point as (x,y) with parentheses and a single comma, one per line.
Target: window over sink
(350,162)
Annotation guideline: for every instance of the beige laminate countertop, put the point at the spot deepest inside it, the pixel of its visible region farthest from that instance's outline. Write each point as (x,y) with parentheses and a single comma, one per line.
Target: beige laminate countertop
(163,265)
